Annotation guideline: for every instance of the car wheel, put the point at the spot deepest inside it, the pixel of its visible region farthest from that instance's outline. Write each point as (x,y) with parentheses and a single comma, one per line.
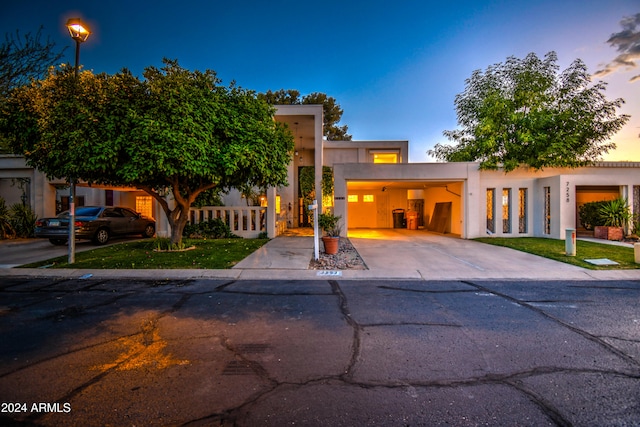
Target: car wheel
(101,237)
(58,242)
(149,231)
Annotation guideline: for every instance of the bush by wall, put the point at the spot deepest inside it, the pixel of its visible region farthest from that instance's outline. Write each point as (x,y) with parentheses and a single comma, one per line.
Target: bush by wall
(214,228)
(589,214)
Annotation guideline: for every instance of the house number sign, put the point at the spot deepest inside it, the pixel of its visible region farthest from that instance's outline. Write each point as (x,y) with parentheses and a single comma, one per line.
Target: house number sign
(567,193)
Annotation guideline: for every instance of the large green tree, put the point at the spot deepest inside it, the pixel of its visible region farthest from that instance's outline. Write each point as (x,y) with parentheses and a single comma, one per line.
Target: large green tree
(174,129)
(526,112)
(330,107)
(22,59)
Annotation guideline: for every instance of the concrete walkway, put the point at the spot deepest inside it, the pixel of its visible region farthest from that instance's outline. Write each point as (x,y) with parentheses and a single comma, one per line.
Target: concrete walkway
(388,253)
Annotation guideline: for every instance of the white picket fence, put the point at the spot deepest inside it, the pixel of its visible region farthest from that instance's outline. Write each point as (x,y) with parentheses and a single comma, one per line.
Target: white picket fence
(244,221)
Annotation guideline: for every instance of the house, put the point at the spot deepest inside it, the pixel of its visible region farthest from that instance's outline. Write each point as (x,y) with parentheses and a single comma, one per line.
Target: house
(374,186)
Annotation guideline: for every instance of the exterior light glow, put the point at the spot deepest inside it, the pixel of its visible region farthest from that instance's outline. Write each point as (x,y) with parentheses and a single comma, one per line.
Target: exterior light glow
(78,30)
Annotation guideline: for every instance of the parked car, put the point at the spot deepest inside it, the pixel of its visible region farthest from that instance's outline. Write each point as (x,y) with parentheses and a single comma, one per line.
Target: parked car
(97,223)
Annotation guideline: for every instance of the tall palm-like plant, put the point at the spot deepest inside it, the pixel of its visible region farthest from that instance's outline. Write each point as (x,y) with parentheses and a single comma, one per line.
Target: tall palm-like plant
(616,213)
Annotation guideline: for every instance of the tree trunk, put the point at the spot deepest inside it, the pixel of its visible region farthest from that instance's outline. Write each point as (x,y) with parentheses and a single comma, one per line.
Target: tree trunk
(177,221)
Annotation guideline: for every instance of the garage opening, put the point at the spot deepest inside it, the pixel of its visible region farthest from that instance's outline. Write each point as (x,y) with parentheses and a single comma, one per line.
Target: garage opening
(424,205)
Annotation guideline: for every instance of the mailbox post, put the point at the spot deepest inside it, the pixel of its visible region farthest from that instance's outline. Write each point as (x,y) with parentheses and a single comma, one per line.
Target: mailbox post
(570,242)
(316,242)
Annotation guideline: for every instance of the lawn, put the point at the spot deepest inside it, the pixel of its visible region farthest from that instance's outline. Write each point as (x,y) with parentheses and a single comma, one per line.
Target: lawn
(209,254)
(555,249)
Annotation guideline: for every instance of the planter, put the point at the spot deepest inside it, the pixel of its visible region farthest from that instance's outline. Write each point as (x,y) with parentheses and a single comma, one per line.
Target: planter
(608,233)
(331,244)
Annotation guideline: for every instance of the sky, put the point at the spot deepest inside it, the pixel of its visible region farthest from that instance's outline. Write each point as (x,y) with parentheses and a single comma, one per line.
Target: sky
(394,67)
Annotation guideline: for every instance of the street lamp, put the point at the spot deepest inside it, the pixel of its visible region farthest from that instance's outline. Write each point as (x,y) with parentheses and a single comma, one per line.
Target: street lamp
(80,33)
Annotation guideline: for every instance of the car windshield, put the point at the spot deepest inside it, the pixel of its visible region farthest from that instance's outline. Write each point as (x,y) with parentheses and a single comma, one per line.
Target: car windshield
(82,211)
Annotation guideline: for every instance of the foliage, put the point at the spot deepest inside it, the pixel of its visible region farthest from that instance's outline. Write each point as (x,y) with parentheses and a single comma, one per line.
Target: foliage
(210,197)
(6,229)
(175,129)
(635,225)
(25,58)
(307,183)
(214,228)
(329,223)
(23,220)
(208,254)
(589,214)
(21,60)
(523,112)
(331,109)
(615,213)
(555,249)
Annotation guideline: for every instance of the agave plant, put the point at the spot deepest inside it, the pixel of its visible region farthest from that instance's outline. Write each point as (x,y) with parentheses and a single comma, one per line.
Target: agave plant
(615,213)
(6,229)
(23,220)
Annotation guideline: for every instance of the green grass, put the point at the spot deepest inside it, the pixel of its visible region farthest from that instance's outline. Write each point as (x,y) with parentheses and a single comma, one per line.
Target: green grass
(555,249)
(209,254)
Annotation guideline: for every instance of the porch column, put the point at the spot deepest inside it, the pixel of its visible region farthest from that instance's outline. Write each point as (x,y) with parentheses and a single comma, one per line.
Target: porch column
(271,212)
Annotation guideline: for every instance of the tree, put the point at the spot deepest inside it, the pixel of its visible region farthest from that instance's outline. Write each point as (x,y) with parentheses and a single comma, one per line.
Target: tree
(523,112)
(176,129)
(331,109)
(23,59)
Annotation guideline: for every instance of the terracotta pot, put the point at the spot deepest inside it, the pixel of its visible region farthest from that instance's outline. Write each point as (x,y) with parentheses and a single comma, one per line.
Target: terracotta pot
(331,244)
(608,233)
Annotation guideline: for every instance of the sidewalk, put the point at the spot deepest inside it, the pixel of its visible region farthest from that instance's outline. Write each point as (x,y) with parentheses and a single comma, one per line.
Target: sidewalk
(389,254)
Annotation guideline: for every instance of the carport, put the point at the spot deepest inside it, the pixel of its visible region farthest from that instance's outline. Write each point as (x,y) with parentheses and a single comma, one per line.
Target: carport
(436,205)
(367,195)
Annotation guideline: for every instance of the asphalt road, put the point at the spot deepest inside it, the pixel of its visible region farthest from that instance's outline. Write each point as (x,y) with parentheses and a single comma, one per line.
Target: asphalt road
(319,353)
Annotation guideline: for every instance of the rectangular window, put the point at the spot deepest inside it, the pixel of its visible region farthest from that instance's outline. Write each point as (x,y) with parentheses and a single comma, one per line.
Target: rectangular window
(506,210)
(491,210)
(384,156)
(108,197)
(352,198)
(522,210)
(367,198)
(144,205)
(547,210)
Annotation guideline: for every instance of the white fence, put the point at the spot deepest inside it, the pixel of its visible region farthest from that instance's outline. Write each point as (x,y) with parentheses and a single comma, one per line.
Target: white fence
(244,221)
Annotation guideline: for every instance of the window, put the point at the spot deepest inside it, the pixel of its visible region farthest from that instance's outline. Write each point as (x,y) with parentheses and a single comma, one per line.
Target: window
(108,197)
(547,210)
(353,198)
(144,205)
(491,224)
(385,156)
(522,210)
(506,210)
(367,198)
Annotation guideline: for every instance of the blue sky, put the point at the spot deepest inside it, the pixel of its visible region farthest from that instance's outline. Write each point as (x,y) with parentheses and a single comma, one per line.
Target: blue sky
(394,67)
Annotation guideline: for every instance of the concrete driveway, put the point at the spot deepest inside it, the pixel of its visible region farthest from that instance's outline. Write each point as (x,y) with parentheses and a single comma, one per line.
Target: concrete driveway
(437,256)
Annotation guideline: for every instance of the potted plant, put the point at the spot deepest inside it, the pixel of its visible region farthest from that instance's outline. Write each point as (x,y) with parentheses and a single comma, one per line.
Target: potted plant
(331,239)
(614,215)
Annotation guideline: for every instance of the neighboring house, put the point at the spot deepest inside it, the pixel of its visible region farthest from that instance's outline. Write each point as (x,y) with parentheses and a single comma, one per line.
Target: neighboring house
(373,184)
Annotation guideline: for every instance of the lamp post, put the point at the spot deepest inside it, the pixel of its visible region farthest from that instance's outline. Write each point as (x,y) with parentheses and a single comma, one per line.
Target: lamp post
(80,33)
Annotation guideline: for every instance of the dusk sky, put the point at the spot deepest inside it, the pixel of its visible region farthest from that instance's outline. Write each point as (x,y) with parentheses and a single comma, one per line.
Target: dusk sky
(394,67)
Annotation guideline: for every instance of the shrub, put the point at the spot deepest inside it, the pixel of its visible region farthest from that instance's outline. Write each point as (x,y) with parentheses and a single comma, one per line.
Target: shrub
(6,229)
(589,214)
(23,220)
(214,228)
(615,213)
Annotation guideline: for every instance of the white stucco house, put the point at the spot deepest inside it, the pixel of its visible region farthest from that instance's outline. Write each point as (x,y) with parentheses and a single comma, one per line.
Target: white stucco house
(373,184)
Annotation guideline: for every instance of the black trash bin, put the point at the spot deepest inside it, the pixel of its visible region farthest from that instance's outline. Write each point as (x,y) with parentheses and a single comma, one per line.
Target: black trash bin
(398,218)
